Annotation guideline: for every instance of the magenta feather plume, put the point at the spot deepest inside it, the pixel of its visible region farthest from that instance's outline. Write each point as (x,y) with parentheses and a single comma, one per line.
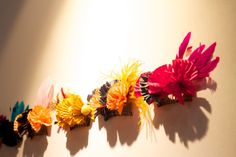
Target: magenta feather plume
(182,77)
(183,46)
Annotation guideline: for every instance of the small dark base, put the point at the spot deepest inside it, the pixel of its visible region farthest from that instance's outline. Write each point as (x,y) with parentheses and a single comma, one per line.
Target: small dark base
(107,113)
(86,124)
(166,101)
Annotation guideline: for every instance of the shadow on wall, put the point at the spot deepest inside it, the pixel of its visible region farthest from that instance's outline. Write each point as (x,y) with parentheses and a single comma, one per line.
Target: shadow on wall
(25,28)
(9,10)
(77,141)
(123,127)
(35,147)
(9,151)
(188,122)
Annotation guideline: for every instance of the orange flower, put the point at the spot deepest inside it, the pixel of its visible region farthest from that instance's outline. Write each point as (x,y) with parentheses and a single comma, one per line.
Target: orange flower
(39,116)
(117,96)
(94,101)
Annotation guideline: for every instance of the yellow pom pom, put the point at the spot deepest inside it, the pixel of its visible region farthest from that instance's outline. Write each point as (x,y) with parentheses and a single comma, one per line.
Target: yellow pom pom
(85,110)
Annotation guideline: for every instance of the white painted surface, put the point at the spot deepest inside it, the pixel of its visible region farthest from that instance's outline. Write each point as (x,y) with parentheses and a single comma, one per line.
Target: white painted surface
(76,42)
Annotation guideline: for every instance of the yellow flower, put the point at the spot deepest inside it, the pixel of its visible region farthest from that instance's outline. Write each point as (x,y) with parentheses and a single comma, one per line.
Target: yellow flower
(39,116)
(122,92)
(129,74)
(117,96)
(71,111)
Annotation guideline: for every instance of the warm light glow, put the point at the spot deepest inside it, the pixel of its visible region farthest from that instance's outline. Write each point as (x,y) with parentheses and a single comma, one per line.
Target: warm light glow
(79,42)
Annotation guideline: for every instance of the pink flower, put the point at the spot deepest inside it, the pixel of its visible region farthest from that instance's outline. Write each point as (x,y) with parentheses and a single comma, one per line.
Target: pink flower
(175,79)
(184,72)
(180,77)
(201,59)
(159,80)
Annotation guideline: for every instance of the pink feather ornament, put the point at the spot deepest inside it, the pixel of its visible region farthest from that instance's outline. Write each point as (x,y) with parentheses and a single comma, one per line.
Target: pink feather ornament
(45,93)
(183,77)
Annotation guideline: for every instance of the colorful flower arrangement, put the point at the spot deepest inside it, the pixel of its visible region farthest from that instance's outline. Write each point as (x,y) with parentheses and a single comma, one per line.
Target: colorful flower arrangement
(182,78)
(170,83)
(25,121)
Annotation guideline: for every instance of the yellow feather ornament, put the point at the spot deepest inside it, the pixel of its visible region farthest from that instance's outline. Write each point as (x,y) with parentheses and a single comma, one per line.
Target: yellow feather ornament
(128,77)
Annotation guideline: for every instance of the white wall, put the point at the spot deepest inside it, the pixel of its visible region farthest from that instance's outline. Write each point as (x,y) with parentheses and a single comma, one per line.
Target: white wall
(77,42)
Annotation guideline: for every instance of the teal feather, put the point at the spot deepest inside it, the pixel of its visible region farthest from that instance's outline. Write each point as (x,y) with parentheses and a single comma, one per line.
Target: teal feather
(18,109)
(27,107)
